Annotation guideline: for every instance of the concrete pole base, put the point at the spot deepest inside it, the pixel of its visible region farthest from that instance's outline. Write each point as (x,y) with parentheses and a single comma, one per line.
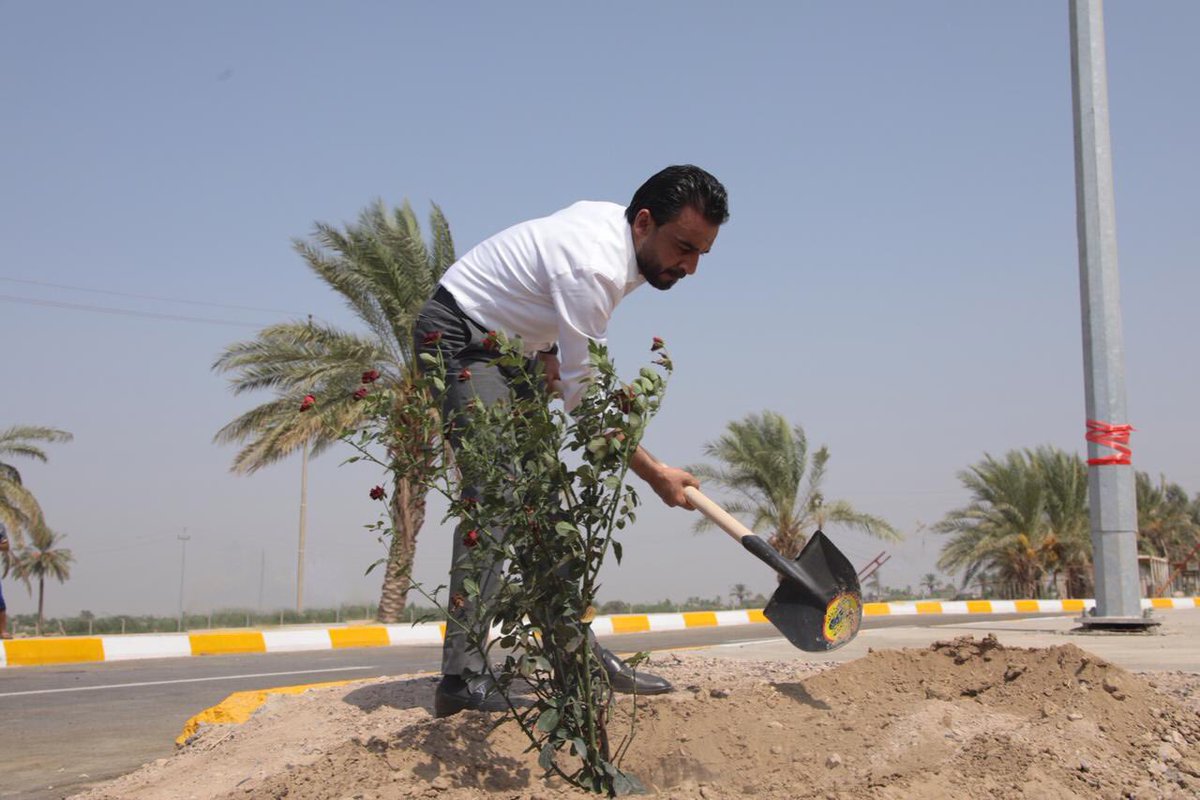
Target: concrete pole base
(1091,624)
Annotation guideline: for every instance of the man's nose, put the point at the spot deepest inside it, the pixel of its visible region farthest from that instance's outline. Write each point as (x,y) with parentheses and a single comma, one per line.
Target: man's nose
(690,263)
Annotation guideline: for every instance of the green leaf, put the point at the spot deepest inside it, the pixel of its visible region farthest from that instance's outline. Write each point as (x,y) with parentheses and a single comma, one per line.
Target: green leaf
(548,721)
(625,782)
(471,587)
(617,550)
(546,757)
(565,528)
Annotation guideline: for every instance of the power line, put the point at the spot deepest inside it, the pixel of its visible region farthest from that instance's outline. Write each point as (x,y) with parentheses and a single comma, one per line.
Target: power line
(145,296)
(125,312)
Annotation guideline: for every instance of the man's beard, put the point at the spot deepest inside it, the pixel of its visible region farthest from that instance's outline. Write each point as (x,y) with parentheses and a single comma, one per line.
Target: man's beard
(658,276)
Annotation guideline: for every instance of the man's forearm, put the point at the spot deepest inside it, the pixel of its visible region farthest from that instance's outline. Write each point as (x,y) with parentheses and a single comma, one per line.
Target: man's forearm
(669,483)
(645,466)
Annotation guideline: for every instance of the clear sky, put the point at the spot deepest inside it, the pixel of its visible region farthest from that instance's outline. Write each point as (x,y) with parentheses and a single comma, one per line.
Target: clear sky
(899,276)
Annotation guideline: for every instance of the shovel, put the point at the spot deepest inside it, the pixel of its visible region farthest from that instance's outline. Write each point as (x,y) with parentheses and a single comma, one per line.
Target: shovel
(818,605)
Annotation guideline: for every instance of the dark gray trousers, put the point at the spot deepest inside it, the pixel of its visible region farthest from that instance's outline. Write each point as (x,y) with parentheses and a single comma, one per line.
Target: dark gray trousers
(461,347)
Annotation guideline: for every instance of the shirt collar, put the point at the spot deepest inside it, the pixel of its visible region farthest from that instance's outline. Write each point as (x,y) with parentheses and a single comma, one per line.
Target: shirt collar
(633,276)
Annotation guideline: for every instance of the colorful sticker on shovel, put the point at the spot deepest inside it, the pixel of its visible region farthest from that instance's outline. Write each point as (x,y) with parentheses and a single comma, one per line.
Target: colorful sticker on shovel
(841,617)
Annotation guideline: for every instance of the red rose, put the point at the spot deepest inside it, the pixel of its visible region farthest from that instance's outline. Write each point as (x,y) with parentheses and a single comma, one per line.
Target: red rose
(432,338)
(308,402)
(457,601)
(491,341)
(465,375)
(377,493)
(360,393)
(370,376)
(658,344)
(470,538)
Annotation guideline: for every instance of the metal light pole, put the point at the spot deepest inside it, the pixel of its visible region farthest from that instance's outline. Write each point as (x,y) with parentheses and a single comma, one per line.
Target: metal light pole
(183,540)
(1112,501)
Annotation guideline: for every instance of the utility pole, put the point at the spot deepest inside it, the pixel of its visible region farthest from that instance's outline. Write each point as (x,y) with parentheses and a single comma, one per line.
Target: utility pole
(1112,500)
(183,540)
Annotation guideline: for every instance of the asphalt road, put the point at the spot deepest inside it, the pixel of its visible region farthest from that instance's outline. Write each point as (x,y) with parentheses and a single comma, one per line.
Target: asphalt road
(65,728)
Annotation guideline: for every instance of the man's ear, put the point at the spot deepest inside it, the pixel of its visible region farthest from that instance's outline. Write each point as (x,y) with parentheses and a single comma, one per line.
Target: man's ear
(643,224)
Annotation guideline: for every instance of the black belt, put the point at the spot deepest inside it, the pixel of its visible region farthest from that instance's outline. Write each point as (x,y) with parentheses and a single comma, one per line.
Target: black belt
(443,296)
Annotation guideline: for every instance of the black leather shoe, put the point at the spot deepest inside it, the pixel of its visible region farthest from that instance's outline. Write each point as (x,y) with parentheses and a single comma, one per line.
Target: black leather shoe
(626,680)
(455,694)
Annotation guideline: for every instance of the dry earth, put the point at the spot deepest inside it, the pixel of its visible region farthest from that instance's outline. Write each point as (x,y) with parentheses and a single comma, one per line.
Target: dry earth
(961,719)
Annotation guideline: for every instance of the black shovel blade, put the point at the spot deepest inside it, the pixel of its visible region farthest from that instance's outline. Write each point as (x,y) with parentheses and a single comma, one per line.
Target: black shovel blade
(824,611)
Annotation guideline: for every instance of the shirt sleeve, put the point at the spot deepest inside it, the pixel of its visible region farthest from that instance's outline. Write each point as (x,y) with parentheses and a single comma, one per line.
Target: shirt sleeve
(584,300)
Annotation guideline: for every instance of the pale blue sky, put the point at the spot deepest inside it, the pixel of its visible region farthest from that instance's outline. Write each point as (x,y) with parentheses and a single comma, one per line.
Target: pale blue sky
(899,274)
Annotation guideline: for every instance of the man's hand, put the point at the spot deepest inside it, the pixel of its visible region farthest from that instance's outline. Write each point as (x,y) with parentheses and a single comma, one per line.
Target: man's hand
(667,482)
(550,368)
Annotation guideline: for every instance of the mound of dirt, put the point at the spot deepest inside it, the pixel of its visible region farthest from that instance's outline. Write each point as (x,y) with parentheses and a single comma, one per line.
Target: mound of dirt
(961,719)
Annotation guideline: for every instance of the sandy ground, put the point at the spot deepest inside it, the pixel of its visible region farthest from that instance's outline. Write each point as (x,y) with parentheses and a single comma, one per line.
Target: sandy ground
(966,718)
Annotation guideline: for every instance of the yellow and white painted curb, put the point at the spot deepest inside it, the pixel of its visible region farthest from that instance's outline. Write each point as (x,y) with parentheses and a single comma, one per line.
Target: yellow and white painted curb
(76,649)
(239,706)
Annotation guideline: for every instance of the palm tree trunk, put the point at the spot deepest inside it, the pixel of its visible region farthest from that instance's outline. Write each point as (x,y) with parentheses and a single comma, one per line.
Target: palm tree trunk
(41,601)
(408,515)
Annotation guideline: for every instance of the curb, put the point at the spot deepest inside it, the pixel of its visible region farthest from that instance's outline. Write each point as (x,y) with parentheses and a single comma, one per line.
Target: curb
(240,706)
(83,649)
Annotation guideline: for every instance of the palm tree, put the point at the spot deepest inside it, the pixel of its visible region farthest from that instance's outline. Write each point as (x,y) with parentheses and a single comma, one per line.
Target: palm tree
(43,557)
(1027,519)
(930,583)
(1069,534)
(19,510)
(385,272)
(1166,526)
(764,462)
(1003,526)
(738,593)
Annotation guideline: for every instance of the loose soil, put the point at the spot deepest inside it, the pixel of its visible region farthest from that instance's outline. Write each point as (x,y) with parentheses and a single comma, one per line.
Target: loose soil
(961,719)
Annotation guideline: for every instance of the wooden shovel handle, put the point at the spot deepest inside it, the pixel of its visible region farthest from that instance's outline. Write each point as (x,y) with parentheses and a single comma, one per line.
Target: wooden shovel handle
(719,516)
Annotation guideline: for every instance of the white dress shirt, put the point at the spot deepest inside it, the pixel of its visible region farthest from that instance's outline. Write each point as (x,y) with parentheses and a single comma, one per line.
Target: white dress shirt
(554,279)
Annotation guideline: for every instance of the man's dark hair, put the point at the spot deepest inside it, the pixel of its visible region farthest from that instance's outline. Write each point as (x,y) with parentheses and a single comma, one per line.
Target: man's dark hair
(668,192)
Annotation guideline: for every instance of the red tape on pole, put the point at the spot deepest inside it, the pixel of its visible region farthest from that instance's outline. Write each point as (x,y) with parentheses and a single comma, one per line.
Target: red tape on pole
(1115,437)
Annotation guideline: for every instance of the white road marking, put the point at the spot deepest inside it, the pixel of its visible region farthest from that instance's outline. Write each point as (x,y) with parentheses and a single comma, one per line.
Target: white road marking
(185,680)
(739,643)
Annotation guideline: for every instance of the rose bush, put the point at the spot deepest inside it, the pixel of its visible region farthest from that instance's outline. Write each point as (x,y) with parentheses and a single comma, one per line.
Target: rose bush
(551,493)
